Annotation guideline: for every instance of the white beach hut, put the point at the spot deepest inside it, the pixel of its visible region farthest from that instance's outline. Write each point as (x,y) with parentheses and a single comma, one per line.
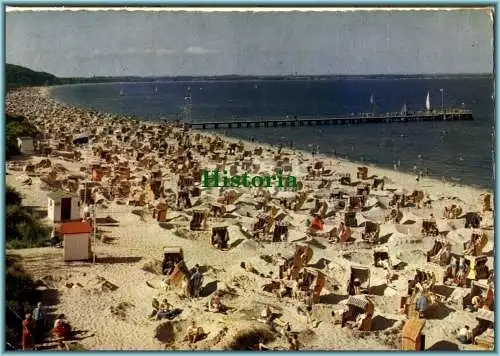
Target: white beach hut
(63,206)
(76,240)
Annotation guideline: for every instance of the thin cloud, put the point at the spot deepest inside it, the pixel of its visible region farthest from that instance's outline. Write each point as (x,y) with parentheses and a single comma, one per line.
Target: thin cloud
(155,51)
(127,51)
(199,50)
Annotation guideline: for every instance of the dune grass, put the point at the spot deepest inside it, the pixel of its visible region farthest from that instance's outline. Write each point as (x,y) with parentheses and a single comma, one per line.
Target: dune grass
(22,230)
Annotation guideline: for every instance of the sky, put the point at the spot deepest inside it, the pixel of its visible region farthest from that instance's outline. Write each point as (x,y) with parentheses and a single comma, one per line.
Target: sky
(119,43)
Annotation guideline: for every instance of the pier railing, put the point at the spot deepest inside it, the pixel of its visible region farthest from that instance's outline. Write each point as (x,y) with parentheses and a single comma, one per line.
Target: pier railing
(447,114)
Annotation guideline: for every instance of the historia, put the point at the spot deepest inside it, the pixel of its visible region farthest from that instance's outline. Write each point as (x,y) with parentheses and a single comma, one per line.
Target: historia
(234,181)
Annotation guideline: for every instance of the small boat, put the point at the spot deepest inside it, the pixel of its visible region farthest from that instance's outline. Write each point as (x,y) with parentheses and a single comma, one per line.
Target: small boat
(122,93)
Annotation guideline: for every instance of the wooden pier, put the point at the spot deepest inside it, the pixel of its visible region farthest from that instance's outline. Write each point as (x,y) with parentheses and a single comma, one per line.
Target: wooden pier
(435,115)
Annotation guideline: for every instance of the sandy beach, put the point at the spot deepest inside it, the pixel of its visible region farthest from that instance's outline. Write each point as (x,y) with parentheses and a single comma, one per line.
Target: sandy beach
(111,299)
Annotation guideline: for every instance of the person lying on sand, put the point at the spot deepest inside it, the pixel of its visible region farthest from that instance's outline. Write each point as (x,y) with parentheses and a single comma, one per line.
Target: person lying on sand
(193,332)
(156,305)
(442,255)
(248,267)
(317,224)
(333,235)
(282,291)
(477,303)
(165,310)
(215,303)
(345,233)
(62,328)
(259,347)
(358,323)
(267,316)
(474,246)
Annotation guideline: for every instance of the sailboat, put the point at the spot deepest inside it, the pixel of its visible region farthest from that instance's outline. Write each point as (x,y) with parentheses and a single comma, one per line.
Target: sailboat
(372,103)
(428,102)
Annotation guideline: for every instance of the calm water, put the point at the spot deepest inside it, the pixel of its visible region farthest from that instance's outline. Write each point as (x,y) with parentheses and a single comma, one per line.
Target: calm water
(458,151)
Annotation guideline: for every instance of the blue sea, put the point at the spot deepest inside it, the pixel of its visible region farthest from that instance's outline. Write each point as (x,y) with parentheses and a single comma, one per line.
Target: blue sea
(459,151)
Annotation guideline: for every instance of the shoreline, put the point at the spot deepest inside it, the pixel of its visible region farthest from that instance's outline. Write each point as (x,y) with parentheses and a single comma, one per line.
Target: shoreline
(46,91)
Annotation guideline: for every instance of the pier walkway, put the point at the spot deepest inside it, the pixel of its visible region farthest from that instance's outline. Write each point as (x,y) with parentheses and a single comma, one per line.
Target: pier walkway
(435,115)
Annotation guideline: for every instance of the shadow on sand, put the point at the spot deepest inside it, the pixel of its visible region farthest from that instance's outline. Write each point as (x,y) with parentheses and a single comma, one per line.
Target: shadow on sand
(381,323)
(112,259)
(444,346)
(332,298)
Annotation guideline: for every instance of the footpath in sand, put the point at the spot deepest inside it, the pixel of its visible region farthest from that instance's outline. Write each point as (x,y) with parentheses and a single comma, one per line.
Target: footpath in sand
(112,297)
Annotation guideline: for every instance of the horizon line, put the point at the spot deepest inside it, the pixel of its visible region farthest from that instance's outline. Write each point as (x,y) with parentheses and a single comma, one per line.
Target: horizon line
(179,7)
(274,75)
(252,75)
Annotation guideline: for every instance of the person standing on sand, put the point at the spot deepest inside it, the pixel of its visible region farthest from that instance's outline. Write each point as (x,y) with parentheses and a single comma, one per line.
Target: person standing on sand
(27,338)
(196,281)
(40,322)
(309,308)
(86,212)
(54,238)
